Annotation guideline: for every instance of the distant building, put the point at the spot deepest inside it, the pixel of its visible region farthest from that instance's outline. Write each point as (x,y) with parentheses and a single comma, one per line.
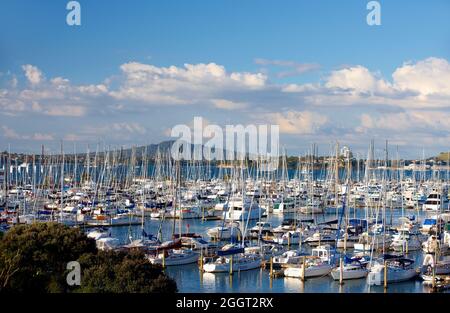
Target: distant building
(345,152)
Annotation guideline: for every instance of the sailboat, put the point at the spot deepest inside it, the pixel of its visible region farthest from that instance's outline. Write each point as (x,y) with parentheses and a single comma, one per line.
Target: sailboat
(405,240)
(353,268)
(174,257)
(398,269)
(431,263)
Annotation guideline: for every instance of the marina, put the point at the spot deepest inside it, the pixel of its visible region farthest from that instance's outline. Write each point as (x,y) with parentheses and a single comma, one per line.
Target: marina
(330,224)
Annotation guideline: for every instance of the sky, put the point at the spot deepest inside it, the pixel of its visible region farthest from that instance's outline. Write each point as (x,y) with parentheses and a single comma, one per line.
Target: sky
(134,69)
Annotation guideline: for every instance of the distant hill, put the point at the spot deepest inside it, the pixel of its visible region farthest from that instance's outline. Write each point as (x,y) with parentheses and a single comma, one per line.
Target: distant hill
(443,156)
(152,149)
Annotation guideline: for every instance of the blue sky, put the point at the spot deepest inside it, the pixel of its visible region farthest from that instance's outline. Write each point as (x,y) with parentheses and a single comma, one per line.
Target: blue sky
(310,58)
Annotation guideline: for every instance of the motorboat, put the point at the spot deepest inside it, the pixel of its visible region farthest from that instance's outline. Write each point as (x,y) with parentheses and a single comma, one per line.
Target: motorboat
(288,258)
(437,200)
(318,264)
(261,228)
(233,259)
(243,210)
(225,232)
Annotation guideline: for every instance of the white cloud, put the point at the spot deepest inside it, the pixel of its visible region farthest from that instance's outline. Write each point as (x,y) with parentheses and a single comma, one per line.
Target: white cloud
(173,85)
(33,74)
(424,84)
(417,94)
(425,121)
(293,68)
(426,77)
(119,131)
(42,137)
(54,97)
(73,137)
(294,122)
(130,127)
(300,88)
(228,105)
(250,80)
(354,79)
(65,110)
(10,133)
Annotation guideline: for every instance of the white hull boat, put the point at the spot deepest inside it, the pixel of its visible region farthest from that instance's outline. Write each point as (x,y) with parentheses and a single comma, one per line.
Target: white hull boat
(398,270)
(235,264)
(349,271)
(175,257)
(311,271)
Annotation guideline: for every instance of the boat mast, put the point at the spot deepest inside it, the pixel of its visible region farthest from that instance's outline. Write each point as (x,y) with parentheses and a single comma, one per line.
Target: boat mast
(62,180)
(336,179)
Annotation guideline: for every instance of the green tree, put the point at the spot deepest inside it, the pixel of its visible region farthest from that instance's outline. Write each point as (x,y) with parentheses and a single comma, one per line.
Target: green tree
(116,272)
(33,258)
(39,253)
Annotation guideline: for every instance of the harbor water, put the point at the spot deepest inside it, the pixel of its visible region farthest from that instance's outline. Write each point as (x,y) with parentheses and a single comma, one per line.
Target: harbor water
(190,279)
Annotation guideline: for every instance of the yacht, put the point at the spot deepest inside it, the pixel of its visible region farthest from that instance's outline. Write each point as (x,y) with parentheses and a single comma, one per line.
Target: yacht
(288,258)
(266,251)
(98,233)
(398,269)
(319,238)
(289,238)
(232,260)
(263,228)
(353,268)
(437,201)
(313,206)
(186,212)
(284,207)
(373,241)
(107,243)
(225,232)
(434,246)
(174,257)
(440,267)
(242,211)
(406,240)
(318,264)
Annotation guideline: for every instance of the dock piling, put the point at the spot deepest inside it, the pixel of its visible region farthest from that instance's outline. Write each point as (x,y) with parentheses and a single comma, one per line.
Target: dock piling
(231,265)
(303,268)
(271,267)
(385,275)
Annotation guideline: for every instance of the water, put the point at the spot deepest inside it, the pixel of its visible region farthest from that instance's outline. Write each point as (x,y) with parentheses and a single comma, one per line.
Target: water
(30,175)
(189,279)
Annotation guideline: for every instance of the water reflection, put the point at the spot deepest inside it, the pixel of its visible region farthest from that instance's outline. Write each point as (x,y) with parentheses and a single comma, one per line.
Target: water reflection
(189,279)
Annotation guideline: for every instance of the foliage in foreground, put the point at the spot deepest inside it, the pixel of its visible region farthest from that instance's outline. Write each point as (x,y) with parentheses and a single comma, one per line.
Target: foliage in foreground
(33,258)
(122,272)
